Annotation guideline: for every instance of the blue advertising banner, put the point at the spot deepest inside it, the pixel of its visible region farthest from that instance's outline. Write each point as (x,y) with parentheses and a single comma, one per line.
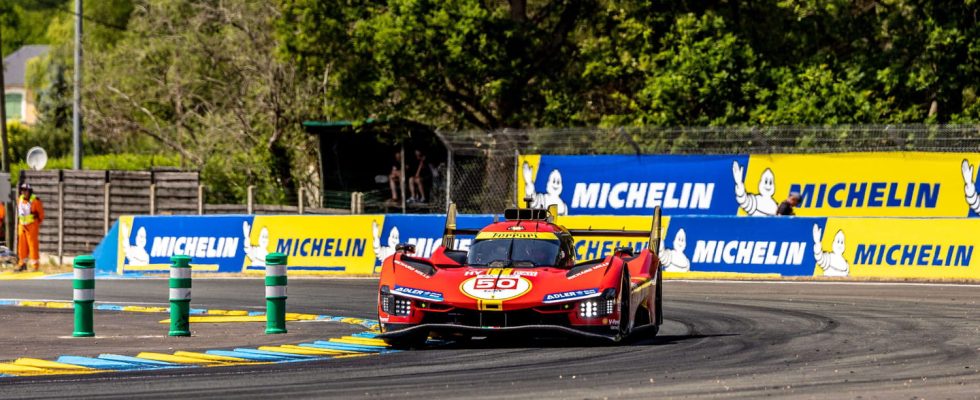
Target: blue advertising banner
(632,185)
(424,231)
(783,246)
(215,243)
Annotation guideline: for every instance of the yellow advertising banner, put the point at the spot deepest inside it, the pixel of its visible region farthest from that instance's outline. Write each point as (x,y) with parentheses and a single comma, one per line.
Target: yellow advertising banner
(898,248)
(326,245)
(902,184)
(594,247)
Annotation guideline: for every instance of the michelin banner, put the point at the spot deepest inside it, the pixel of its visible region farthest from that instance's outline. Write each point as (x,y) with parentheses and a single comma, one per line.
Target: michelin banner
(899,184)
(317,245)
(722,246)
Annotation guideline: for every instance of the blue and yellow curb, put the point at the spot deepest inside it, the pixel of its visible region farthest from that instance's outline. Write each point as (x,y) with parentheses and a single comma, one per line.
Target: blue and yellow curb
(355,345)
(359,344)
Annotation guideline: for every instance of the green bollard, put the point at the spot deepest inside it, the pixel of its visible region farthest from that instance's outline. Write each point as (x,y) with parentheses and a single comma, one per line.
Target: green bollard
(275,293)
(180,295)
(83,292)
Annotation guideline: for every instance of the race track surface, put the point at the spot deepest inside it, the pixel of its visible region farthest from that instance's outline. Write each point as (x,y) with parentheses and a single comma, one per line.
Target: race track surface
(720,340)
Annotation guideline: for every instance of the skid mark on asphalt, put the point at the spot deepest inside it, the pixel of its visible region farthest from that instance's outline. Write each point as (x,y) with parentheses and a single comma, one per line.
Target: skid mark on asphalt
(356,345)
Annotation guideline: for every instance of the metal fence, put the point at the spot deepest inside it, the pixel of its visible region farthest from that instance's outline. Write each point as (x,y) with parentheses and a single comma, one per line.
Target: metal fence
(81,206)
(482,174)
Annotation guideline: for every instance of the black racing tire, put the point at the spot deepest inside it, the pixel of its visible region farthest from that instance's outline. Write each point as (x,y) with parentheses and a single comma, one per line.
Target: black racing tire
(658,300)
(625,316)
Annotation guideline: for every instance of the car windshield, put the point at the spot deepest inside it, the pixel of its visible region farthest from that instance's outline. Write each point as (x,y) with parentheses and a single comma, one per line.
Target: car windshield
(513,252)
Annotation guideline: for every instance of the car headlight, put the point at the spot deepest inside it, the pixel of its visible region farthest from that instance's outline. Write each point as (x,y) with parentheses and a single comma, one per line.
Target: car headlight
(394,305)
(598,307)
(403,306)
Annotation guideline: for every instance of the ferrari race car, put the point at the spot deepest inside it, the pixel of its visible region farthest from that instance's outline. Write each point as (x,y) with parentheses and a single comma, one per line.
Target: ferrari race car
(520,276)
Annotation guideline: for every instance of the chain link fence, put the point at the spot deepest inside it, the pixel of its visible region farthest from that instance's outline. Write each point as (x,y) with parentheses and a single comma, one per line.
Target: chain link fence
(482,165)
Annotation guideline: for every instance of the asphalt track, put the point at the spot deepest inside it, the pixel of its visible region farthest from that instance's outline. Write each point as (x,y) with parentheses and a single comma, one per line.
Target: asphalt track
(720,340)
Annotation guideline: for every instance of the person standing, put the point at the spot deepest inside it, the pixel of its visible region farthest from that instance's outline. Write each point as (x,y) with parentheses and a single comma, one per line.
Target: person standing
(421,174)
(395,177)
(30,214)
(786,207)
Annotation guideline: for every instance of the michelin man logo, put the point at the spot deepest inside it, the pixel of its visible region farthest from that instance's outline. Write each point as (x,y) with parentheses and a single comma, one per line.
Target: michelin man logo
(553,190)
(674,260)
(256,254)
(970,188)
(383,252)
(136,255)
(832,263)
(755,204)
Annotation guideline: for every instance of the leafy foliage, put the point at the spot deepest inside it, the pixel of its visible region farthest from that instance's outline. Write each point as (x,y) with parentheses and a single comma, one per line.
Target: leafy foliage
(224,85)
(470,63)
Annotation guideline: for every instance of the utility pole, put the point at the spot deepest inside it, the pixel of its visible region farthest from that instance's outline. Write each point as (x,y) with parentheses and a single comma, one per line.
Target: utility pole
(4,165)
(77,101)
(8,228)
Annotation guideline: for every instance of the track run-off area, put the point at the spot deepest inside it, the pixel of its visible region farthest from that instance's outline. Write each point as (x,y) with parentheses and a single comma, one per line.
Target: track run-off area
(724,339)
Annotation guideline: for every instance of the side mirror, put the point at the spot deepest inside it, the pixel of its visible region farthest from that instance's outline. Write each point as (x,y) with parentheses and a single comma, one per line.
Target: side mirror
(627,250)
(406,248)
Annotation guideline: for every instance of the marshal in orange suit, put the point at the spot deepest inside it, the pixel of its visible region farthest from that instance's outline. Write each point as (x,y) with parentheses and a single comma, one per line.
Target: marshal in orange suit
(30,214)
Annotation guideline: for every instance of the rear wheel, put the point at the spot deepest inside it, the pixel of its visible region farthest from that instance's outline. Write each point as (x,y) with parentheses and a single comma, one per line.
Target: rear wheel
(659,299)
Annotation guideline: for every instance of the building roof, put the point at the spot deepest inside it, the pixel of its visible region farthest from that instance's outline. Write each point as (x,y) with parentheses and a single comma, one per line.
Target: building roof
(15,65)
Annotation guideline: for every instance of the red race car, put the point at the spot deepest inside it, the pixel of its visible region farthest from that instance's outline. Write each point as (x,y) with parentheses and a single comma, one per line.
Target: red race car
(520,276)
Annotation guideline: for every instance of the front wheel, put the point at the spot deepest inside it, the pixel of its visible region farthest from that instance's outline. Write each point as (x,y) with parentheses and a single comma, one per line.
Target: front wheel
(625,316)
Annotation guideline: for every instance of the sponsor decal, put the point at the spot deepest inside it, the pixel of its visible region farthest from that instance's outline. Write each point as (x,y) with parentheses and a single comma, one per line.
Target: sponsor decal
(194,246)
(598,247)
(936,255)
(590,269)
(495,287)
(146,243)
(418,293)
(327,244)
(911,184)
(571,295)
(591,249)
(619,195)
(906,184)
(898,248)
(867,194)
(321,247)
(516,235)
(411,268)
(628,185)
(498,271)
(749,252)
(783,246)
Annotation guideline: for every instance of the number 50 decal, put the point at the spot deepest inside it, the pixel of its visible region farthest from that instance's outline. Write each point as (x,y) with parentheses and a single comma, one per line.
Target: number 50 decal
(495,288)
(504,282)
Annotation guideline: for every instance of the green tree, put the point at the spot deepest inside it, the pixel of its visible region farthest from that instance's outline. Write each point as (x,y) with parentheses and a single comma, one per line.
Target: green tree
(200,79)
(449,63)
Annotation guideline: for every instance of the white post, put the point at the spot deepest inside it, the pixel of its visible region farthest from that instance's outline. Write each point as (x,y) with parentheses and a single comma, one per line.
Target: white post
(250,205)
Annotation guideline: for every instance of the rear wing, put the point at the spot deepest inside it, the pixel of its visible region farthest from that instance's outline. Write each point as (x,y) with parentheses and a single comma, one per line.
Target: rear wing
(450,232)
(654,233)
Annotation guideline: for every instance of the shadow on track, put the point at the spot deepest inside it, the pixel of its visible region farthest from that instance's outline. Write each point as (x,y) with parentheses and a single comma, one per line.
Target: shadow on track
(516,342)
